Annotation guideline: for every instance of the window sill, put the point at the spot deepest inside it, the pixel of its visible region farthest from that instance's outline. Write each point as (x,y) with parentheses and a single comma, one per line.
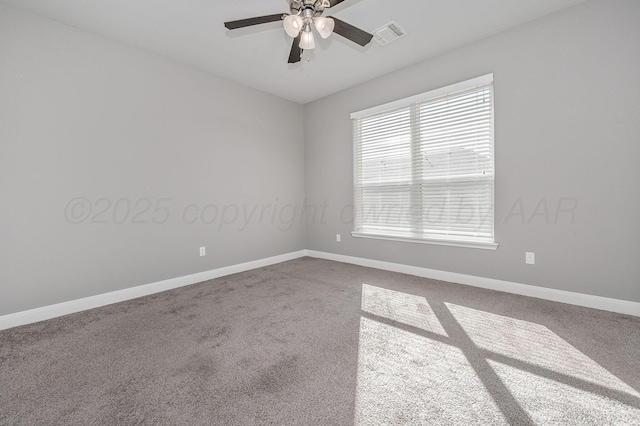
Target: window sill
(454,243)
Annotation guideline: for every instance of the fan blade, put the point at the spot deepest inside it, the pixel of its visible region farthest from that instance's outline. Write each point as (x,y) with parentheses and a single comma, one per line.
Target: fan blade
(296,52)
(334,2)
(241,23)
(352,33)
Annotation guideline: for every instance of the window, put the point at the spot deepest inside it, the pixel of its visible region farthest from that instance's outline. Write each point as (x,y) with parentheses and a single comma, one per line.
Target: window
(424,167)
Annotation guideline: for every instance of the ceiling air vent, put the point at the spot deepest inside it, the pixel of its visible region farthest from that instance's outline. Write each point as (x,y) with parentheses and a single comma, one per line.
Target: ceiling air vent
(388,33)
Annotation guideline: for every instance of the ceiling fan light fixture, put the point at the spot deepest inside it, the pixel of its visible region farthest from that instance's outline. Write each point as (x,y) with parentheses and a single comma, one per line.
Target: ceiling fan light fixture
(293,25)
(307,42)
(298,23)
(324,26)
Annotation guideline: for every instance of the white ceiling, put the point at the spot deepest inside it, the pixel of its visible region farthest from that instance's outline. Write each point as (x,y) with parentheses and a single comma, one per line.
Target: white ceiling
(192,32)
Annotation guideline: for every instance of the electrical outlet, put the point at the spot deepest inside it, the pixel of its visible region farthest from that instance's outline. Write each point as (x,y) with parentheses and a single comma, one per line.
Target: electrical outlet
(530,258)
(338,237)
(203,251)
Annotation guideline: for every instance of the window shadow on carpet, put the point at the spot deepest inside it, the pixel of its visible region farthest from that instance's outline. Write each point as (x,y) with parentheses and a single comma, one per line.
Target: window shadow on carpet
(423,358)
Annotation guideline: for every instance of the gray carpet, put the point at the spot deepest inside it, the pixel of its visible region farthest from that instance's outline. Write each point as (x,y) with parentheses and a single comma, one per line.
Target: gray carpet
(319,343)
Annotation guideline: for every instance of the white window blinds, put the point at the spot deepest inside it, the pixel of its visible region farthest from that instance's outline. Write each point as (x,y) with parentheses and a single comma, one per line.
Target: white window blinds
(424,166)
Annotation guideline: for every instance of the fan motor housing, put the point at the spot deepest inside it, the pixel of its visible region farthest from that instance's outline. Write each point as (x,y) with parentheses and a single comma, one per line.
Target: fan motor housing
(308,8)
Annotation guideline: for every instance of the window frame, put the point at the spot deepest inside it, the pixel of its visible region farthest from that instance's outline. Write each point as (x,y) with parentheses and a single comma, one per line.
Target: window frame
(410,102)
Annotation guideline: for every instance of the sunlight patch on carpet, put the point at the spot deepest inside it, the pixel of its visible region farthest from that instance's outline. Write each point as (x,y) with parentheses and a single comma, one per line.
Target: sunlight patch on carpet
(406,378)
(401,307)
(422,361)
(549,402)
(536,345)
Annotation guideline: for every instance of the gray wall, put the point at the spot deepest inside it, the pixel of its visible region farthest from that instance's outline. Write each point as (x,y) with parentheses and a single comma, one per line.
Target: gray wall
(567,96)
(82,116)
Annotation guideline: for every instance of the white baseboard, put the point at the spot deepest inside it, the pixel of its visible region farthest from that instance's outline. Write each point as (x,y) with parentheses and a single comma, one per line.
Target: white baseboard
(73,306)
(579,299)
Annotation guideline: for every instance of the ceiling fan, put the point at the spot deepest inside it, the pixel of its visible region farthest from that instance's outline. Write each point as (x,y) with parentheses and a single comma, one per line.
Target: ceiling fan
(298,23)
